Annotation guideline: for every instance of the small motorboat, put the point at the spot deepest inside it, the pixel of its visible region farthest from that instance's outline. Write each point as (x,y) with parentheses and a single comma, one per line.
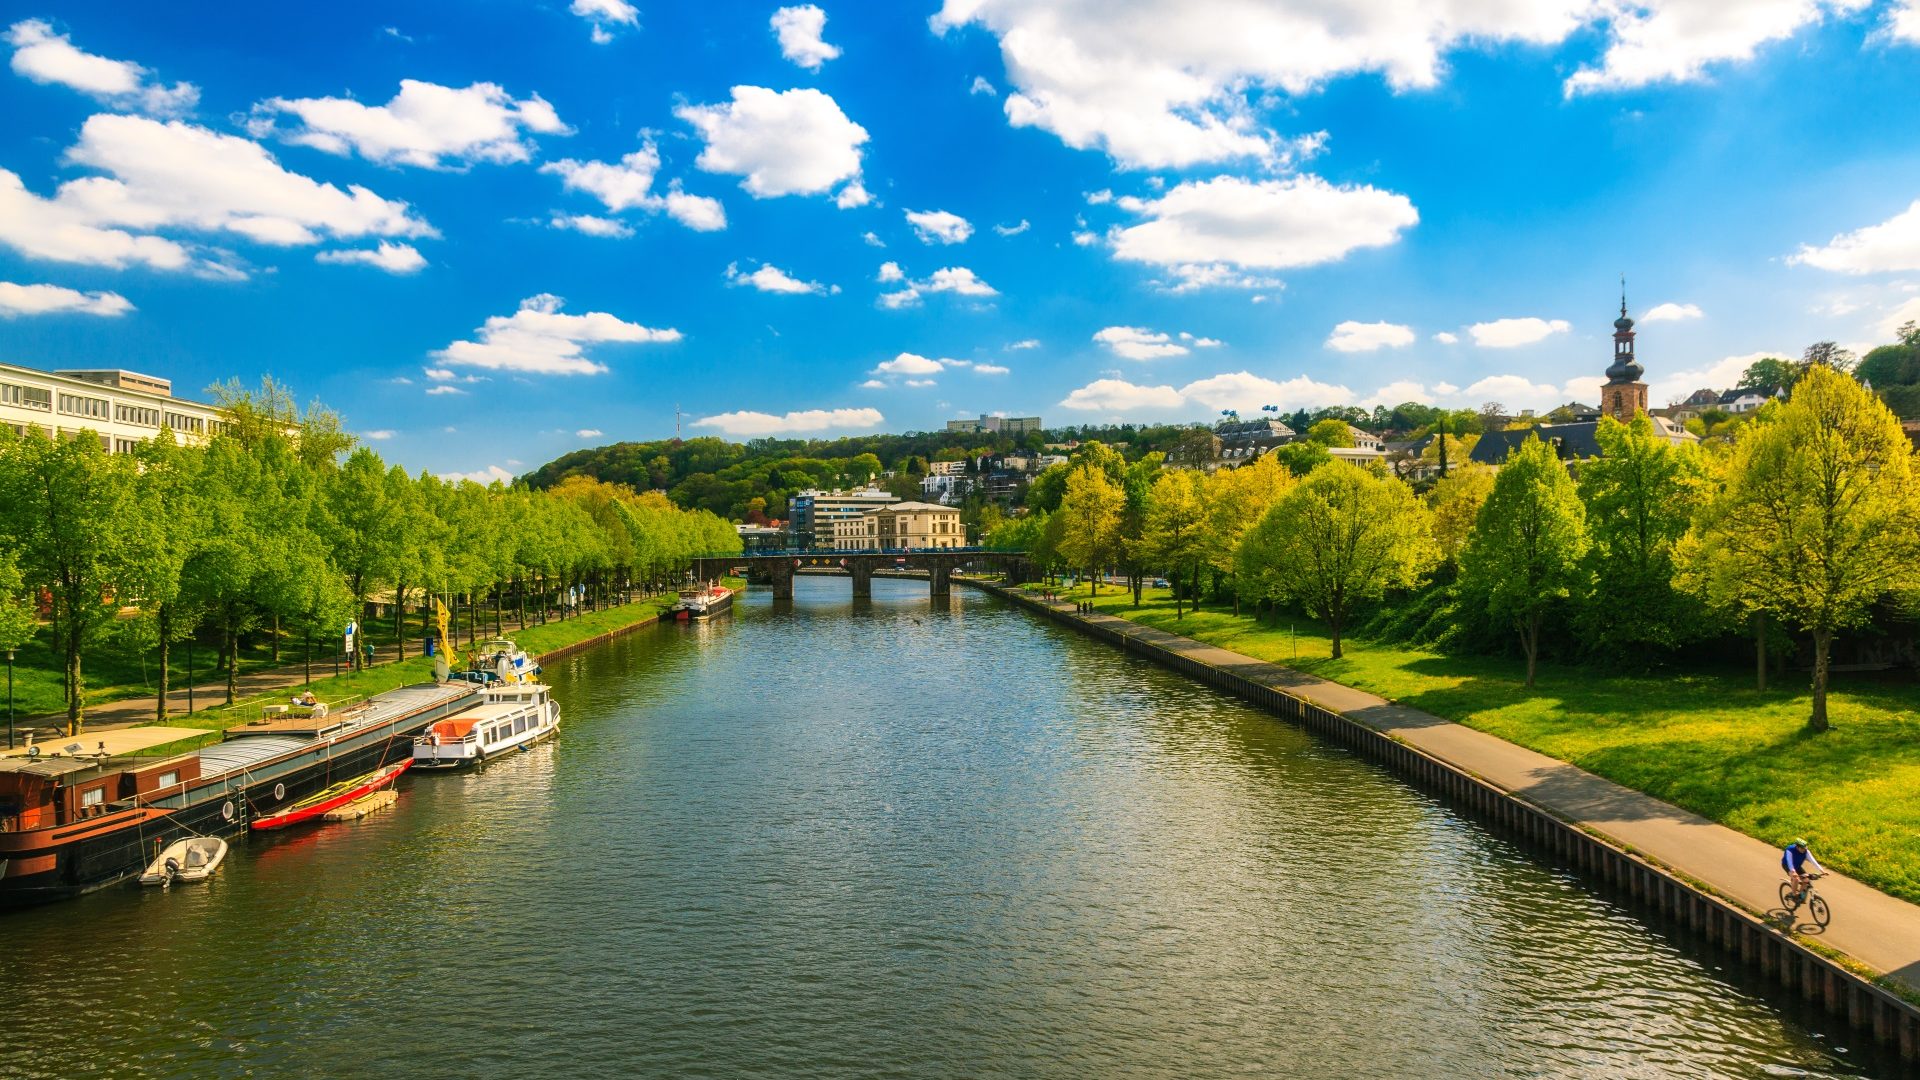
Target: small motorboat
(194,858)
(332,798)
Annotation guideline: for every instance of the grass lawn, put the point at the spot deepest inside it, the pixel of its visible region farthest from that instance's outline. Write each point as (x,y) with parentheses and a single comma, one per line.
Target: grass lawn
(1706,741)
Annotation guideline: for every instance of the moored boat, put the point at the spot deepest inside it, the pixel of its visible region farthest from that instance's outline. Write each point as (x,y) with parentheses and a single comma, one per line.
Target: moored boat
(193,858)
(701,602)
(510,717)
(333,797)
(498,661)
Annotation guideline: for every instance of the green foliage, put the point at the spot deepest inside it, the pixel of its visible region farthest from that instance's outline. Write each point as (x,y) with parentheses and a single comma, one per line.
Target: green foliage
(1090,518)
(1330,433)
(1767,373)
(1640,495)
(1175,530)
(1300,458)
(17,620)
(1524,559)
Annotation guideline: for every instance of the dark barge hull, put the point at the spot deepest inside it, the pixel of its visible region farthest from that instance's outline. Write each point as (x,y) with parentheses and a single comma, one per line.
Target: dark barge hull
(66,861)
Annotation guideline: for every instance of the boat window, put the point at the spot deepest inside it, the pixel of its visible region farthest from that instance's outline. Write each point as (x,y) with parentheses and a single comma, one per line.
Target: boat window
(168,779)
(95,797)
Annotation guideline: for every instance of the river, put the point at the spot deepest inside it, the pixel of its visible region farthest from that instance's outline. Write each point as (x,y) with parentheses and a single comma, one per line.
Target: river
(889,838)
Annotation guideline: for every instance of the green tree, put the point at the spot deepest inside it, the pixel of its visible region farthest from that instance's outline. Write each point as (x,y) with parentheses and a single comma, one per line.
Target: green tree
(1528,544)
(1815,522)
(1236,500)
(1767,373)
(1300,458)
(18,623)
(1640,495)
(1176,529)
(1339,539)
(1090,519)
(1330,433)
(1456,501)
(163,528)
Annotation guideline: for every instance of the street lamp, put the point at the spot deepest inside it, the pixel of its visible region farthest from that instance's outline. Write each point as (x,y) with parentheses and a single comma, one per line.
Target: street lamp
(9,699)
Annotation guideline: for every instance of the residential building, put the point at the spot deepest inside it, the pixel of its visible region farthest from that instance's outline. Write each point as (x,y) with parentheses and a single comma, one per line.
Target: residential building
(124,408)
(1012,425)
(1365,440)
(1745,399)
(811,513)
(947,468)
(947,488)
(906,525)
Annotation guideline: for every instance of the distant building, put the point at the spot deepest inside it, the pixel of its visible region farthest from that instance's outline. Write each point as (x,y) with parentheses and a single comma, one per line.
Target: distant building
(947,468)
(1243,440)
(811,513)
(1624,396)
(1011,425)
(1745,399)
(761,537)
(124,408)
(908,525)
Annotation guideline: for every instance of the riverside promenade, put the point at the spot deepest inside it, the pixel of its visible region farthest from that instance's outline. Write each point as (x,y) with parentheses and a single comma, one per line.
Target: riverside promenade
(1874,930)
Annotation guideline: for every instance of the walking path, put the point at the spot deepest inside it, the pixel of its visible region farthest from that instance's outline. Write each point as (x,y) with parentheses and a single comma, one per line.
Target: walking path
(1880,931)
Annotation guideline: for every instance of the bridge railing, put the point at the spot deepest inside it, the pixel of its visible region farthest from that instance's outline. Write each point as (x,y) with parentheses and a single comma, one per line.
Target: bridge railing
(820,553)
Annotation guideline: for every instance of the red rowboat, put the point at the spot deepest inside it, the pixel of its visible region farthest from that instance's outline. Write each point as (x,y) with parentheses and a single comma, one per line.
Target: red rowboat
(338,795)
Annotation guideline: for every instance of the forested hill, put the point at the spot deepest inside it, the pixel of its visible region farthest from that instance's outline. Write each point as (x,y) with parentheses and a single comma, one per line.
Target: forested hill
(745,480)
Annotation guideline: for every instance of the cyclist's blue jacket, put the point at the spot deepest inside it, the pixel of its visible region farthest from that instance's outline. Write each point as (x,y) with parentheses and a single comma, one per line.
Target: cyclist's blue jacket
(1794,858)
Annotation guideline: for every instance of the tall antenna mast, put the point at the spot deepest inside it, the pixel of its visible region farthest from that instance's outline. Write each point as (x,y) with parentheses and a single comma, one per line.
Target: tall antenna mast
(676,405)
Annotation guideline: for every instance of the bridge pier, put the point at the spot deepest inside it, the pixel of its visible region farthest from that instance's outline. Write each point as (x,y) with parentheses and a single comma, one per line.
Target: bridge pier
(862,571)
(939,579)
(780,571)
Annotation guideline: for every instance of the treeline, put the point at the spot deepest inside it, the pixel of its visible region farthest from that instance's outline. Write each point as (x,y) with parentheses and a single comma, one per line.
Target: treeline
(279,522)
(1806,521)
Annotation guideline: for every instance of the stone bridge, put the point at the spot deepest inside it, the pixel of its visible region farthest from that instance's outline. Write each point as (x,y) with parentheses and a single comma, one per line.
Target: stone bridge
(778,567)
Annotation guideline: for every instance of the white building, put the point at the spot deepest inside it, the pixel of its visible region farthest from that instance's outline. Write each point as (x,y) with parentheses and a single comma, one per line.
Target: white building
(907,526)
(811,514)
(123,407)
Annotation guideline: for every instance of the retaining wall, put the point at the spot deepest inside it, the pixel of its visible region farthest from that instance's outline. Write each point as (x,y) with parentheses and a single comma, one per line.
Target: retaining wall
(1760,946)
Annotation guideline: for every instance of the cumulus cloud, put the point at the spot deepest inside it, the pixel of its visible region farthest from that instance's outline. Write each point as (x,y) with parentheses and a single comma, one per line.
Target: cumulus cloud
(1351,336)
(592,225)
(379,435)
(1013,230)
(541,340)
(588,433)
(443,389)
(873,384)
(948,279)
(1510,333)
(52,59)
(1138,343)
(391,257)
(1894,244)
(1210,232)
(910,364)
(697,212)
(890,271)
(991,369)
(939,226)
(1903,22)
(793,142)
(1241,390)
(1024,343)
(16,300)
(872,239)
(1721,374)
(982,86)
(748,424)
(799,29)
(1677,40)
(1446,337)
(605,14)
(627,184)
(426,125)
(772,279)
(1672,312)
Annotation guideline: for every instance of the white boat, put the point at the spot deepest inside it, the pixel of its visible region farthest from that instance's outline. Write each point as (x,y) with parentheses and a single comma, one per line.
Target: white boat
(192,859)
(701,602)
(499,661)
(510,716)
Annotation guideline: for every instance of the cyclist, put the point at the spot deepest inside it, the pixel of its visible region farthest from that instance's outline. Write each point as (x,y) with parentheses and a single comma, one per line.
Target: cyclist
(1796,860)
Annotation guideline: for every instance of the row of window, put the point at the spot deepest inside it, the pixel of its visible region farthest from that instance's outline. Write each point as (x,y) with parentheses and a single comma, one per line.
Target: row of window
(82,405)
(26,397)
(136,414)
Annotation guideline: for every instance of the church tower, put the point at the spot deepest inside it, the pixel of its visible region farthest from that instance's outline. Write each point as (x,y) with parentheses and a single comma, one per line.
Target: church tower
(1624,395)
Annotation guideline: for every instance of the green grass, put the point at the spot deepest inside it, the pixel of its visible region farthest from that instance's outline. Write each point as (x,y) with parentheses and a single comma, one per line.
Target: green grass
(1707,741)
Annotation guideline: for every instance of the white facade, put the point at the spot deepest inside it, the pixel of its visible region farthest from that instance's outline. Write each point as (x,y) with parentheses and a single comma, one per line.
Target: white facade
(902,526)
(124,408)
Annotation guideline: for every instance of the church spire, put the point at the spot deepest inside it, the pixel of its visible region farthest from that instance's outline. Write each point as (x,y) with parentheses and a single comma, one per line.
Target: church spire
(1623,296)
(1624,394)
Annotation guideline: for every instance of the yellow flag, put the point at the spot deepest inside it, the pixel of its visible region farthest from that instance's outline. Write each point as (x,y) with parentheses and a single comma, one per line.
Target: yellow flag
(440,610)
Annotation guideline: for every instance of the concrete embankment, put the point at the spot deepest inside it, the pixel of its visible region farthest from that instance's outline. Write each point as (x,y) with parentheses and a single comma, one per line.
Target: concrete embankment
(1700,878)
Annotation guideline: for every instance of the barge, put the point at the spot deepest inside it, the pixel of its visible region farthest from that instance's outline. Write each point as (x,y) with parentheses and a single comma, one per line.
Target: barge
(73,823)
(701,602)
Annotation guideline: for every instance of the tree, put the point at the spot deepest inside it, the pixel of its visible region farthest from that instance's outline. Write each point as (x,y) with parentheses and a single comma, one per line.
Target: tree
(1175,534)
(1236,501)
(165,526)
(1339,539)
(1300,458)
(17,620)
(1330,433)
(1528,543)
(1767,373)
(1640,494)
(1455,502)
(1815,522)
(1089,518)
(63,510)
(1827,354)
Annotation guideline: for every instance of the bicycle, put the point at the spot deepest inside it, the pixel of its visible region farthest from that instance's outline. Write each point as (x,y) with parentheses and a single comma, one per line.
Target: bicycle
(1817,909)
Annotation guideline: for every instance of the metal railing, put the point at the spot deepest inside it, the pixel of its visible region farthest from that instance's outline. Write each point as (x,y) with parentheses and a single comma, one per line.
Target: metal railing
(817,552)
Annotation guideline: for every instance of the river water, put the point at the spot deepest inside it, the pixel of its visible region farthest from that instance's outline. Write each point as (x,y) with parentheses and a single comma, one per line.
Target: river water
(888,838)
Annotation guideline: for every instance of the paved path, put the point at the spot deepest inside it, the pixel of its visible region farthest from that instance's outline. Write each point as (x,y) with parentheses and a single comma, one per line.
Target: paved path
(1880,931)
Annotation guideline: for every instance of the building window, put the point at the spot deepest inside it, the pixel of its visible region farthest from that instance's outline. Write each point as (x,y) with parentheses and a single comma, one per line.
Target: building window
(134,414)
(81,405)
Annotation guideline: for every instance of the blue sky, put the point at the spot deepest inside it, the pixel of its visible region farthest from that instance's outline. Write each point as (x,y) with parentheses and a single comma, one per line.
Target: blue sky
(490,232)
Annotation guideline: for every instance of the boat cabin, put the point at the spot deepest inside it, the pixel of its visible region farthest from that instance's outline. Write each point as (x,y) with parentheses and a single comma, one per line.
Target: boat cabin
(513,716)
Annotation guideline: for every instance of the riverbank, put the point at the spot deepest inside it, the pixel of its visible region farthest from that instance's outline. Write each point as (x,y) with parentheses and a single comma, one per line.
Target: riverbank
(1717,879)
(1711,744)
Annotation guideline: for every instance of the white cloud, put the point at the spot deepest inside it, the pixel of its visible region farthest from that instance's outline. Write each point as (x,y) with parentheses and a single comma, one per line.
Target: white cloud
(426,124)
(444,389)
(588,433)
(484,477)
(1445,337)
(1242,391)
(772,279)
(1025,343)
(622,185)
(48,58)
(612,228)
(890,271)
(872,240)
(854,194)
(1351,336)
(388,256)
(906,297)
(444,375)
(1903,22)
(747,424)
(910,364)
(957,279)
(1398,392)
(990,369)
(539,339)
(982,86)
(873,384)
(1907,312)
(700,213)
(1207,232)
(380,435)
(920,383)
(1013,230)
(1894,244)
(1138,343)
(603,14)
(939,226)
(1722,374)
(795,142)
(1672,312)
(1515,392)
(799,29)
(1509,333)
(1676,40)
(65,232)
(54,299)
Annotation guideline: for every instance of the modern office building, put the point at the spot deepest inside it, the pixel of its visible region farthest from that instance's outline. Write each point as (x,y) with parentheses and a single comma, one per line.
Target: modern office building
(1012,425)
(125,408)
(811,514)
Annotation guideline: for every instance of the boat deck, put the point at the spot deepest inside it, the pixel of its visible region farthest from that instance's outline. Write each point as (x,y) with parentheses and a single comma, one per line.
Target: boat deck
(119,742)
(386,707)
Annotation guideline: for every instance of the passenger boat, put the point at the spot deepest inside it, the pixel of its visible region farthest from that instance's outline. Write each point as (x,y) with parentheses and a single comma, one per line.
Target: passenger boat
(192,859)
(332,797)
(73,823)
(509,717)
(701,602)
(499,661)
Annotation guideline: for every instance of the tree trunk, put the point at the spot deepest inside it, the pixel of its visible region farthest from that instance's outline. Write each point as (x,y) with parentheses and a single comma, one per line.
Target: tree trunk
(1334,624)
(233,661)
(276,640)
(163,622)
(76,711)
(1760,650)
(400,620)
(1530,642)
(1822,644)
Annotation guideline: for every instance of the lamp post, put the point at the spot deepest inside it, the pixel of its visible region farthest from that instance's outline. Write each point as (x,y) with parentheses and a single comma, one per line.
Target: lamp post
(9,699)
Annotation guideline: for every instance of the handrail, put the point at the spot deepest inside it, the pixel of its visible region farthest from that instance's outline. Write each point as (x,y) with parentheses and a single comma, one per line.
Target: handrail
(788,553)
